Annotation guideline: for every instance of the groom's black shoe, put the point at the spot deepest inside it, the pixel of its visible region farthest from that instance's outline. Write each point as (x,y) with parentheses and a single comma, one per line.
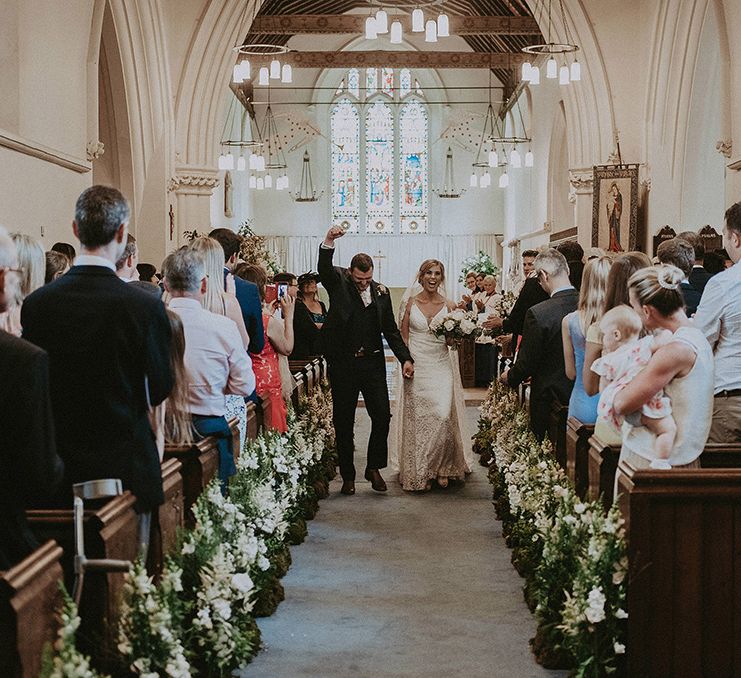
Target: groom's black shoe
(377,483)
(348,487)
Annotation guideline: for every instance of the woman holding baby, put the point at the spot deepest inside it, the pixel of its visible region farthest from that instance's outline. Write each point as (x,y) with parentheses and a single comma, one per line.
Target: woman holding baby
(680,364)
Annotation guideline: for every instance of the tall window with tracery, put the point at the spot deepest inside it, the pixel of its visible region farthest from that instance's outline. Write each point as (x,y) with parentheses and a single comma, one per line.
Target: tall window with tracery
(385,139)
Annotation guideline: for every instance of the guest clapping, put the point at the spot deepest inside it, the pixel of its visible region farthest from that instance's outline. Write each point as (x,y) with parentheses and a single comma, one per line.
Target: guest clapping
(278,341)
(683,368)
(308,318)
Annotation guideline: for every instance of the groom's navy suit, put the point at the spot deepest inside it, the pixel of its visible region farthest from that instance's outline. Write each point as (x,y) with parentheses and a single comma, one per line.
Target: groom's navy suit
(351,341)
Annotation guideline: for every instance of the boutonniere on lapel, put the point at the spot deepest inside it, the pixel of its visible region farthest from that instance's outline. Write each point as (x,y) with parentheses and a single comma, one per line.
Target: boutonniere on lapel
(382,289)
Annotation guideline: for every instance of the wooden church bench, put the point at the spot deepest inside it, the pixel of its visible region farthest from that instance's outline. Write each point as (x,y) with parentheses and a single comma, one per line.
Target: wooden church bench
(169,518)
(577,453)
(251,421)
(684,585)
(557,431)
(603,460)
(237,441)
(298,390)
(200,464)
(29,601)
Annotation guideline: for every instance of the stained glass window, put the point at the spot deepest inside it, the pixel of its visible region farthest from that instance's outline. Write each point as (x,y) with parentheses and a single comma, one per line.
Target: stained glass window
(379,168)
(371,81)
(345,132)
(387,81)
(405,82)
(413,168)
(353,82)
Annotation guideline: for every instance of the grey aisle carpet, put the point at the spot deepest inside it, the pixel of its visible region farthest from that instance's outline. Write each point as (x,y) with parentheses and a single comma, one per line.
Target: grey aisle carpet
(399,584)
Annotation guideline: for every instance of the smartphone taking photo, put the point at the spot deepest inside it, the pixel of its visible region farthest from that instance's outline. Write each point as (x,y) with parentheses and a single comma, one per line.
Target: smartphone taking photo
(282,290)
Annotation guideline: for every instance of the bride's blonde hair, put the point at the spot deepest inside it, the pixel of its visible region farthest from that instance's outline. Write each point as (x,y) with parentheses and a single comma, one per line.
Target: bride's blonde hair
(427,264)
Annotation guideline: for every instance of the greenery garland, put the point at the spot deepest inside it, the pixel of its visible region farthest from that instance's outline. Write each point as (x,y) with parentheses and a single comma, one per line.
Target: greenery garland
(199,618)
(572,554)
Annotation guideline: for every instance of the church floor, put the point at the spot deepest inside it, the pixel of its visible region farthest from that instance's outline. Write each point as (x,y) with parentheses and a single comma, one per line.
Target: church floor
(391,585)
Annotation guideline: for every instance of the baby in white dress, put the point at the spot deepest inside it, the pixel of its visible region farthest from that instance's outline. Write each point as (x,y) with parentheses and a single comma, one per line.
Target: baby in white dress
(624,355)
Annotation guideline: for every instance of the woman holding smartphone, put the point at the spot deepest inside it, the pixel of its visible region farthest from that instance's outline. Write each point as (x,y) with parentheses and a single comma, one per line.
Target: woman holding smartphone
(279,342)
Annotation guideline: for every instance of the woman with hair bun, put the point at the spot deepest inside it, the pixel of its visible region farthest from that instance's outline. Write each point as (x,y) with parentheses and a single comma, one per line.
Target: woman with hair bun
(682,366)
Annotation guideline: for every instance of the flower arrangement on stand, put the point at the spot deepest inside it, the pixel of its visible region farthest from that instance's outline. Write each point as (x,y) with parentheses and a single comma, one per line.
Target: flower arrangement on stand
(572,554)
(255,251)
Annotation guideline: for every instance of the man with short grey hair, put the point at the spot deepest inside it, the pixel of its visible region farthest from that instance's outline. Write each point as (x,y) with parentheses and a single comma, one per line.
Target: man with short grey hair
(29,463)
(541,352)
(109,353)
(214,353)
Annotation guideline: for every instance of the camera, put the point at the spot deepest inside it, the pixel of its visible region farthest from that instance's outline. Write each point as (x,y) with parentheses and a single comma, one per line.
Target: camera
(282,290)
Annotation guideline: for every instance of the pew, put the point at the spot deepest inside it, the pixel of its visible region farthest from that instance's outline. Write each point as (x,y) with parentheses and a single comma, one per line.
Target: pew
(29,601)
(237,441)
(298,390)
(310,380)
(169,517)
(603,460)
(251,421)
(200,464)
(111,531)
(467,363)
(557,431)
(721,455)
(577,454)
(684,575)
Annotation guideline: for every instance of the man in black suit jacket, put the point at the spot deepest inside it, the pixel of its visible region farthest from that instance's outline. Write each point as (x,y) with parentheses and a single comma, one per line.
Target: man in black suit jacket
(31,468)
(698,276)
(541,350)
(359,313)
(109,352)
(680,253)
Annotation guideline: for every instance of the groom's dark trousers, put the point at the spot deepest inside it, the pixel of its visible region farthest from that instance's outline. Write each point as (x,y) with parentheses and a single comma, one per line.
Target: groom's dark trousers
(351,340)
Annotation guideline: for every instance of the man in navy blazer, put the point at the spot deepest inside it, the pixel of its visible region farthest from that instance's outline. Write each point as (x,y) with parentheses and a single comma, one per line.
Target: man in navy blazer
(247,294)
(109,350)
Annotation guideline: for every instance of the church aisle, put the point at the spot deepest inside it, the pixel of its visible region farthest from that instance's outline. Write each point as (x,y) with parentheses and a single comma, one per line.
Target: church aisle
(401,585)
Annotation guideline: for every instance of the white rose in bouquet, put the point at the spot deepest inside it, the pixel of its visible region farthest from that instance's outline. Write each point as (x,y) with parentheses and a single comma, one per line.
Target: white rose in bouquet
(467,326)
(449,324)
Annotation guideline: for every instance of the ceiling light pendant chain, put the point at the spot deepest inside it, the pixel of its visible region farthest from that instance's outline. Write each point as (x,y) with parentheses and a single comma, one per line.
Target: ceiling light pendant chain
(247,139)
(307,192)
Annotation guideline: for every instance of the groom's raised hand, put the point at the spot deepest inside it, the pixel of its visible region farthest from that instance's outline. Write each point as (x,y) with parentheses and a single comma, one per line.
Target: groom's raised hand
(407,369)
(332,235)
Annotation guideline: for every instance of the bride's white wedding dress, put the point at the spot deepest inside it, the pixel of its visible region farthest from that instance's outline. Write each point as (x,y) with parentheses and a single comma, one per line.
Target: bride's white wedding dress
(428,423)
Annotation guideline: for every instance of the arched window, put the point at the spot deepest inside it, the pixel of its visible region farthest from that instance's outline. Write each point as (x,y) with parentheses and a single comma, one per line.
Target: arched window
(389,150)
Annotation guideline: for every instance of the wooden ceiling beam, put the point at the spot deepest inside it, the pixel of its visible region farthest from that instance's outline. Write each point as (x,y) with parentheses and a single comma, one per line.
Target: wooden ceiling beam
(296,24)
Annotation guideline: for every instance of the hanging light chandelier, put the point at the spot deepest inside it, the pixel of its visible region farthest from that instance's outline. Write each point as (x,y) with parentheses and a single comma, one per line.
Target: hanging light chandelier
(449,189)
(272,161)
(306,192)
(248,139)
(379,22)
(566,73)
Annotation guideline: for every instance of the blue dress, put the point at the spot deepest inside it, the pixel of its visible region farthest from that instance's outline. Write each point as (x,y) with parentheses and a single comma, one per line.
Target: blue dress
(581,406)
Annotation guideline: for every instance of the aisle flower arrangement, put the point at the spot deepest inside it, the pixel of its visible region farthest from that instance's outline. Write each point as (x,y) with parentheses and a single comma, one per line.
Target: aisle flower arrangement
(571,553)
(199,618)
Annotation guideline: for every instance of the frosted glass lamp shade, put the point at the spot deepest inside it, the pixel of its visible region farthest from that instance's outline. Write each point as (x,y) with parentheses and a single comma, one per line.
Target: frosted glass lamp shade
(575,71)
(241,164)
(371,32)
(229,161)
(222,162)
(526,68)
(382,21)
(503,181)
(473,181)
(245,69)
(431,31)
(515,158)
(275,69)
(264,76)
(253,181)
(268,181)
(493,158)
(260,163)
(486,180)
(529,159)
(237,74)
(551,68)
(260,184)
(563,75)
(253,161)
(418,21)
(396,32)
(443,26)
(535,75)
(286,74)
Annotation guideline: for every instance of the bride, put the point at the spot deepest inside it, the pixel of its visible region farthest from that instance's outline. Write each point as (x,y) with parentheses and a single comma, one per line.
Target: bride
(428,422)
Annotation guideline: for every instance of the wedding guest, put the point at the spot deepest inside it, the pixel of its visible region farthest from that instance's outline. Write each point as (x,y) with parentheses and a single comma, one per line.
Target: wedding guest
(147,273)
(574,254)
(541,353)
(288,383)
(574,329)
(698,277)
(713,263)
(480,282)
(278,337)
(486,353)
(245,291)
(32,470)
(66,249)
(682,367)
(32,264)
(528,263)
(217,300)
(109,356)
(594,253)
(623,266)
(289,280)
(719,319)
(308,318)
(126,264)
(466,302)
(57,265)
(679,253)
(217,361)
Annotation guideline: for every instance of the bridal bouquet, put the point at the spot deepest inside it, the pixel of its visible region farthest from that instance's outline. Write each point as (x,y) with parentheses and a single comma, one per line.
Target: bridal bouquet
(456,326)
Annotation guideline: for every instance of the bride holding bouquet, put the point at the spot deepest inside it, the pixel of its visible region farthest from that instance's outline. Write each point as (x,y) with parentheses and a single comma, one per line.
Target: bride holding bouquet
(427,429)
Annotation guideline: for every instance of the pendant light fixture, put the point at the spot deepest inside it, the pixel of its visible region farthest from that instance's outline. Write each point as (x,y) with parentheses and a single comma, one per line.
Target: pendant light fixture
(306,191)
(449,189)
(396,33)
(431,31)
(240,136)
(566,74)
(379,22)
(418,21)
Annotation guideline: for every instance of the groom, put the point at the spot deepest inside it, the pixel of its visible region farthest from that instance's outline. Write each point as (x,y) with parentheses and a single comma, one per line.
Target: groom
(359,312)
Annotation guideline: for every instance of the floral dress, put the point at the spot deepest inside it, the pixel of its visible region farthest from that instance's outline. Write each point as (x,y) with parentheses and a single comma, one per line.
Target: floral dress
(267,375)
(619,368)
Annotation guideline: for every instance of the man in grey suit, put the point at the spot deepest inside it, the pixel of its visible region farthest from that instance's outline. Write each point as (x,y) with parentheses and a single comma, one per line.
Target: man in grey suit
(541,352)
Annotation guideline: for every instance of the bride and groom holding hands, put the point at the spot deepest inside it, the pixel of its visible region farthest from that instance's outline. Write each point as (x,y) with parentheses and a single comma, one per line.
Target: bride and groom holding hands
(426,430)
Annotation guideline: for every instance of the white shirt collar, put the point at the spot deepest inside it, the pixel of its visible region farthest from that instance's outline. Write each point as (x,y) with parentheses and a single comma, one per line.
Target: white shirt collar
(93,260)
(184,302)
(562,289)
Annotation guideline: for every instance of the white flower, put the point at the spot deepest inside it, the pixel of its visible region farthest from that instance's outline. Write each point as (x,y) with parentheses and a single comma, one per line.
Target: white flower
(620,613)
(596,600)
(569,520)
(559,491)
(449,325)
(467,326)
(580,508)
(619,648)
(242,582)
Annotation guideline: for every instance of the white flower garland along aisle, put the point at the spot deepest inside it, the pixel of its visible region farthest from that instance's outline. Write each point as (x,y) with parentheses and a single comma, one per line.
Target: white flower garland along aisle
(571,553)
(199,619)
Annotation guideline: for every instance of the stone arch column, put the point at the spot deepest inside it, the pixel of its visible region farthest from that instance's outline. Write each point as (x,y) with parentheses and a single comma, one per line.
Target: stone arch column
(199,112)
